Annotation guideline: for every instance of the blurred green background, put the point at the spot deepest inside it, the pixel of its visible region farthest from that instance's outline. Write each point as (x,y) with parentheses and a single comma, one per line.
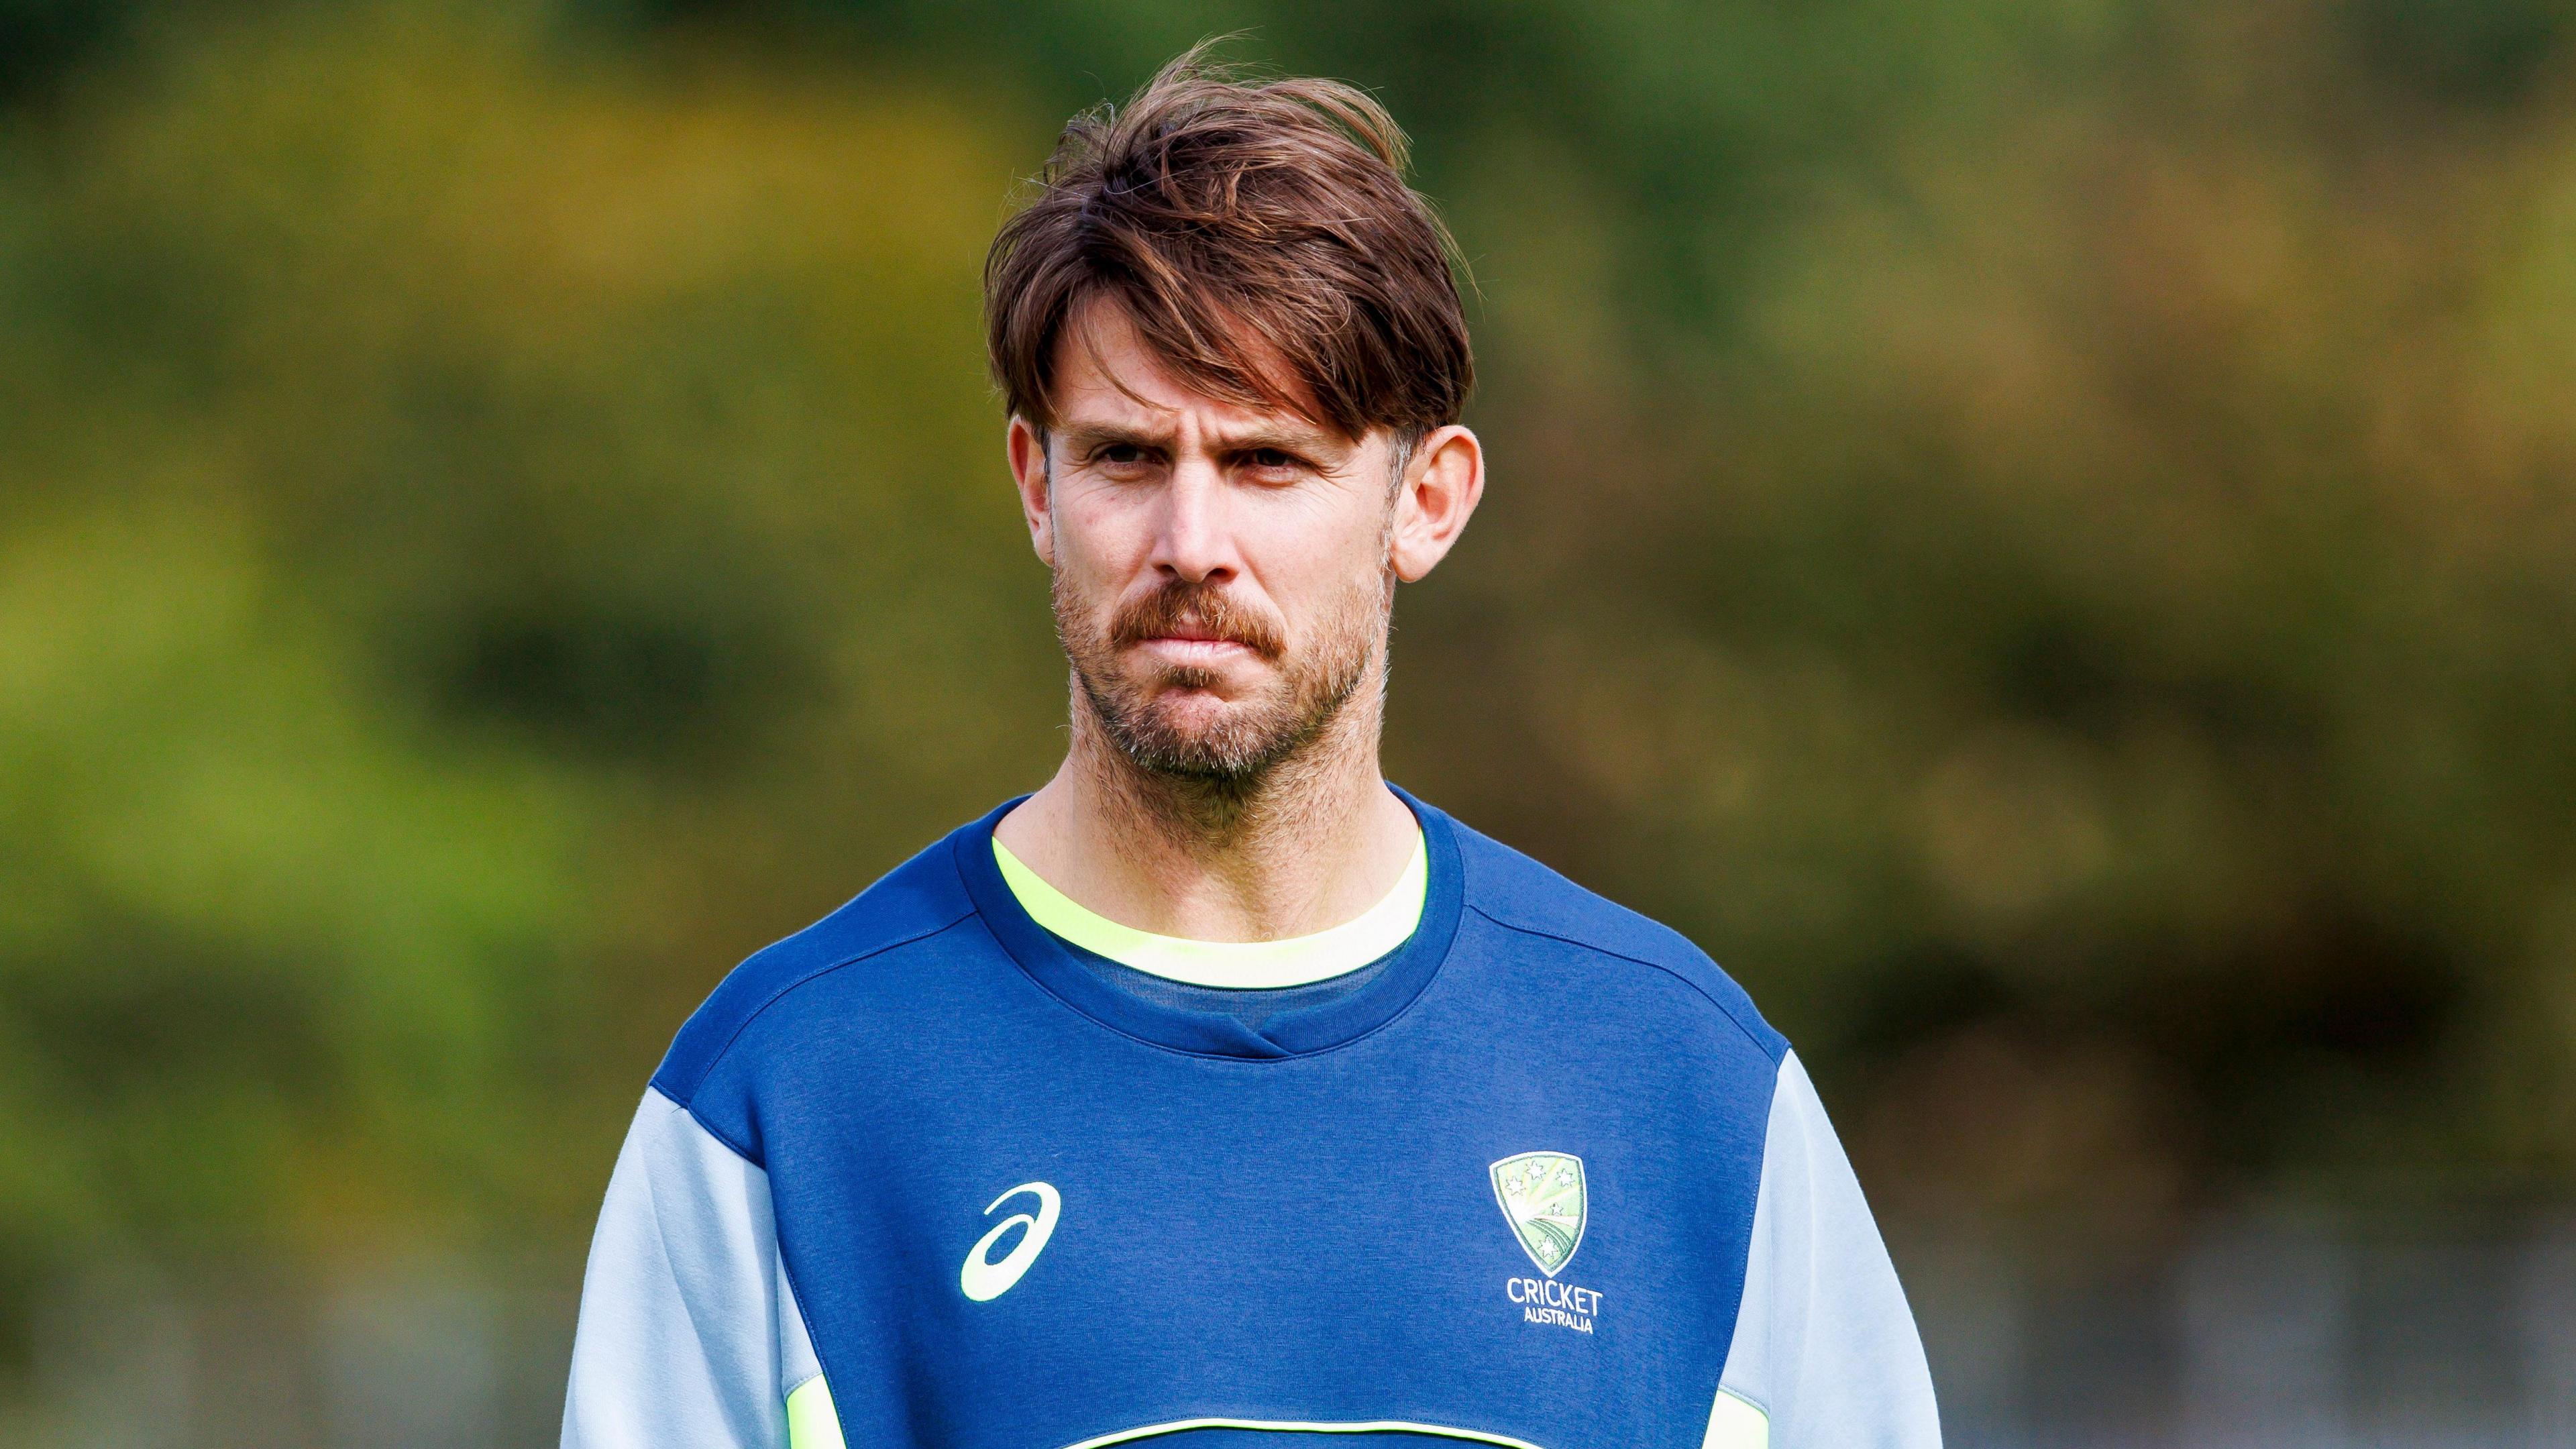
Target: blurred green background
(2042,533)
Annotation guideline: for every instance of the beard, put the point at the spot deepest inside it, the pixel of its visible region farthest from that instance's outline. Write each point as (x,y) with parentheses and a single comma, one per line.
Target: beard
(1250,737)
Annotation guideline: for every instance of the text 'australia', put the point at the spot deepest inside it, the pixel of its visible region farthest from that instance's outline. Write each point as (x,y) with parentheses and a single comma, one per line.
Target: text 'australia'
(1544,1300)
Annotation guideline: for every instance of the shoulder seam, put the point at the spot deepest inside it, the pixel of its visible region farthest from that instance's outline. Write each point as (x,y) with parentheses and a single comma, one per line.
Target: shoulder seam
(1723,1009)
(690,1111)
(780,994)
(699,1121)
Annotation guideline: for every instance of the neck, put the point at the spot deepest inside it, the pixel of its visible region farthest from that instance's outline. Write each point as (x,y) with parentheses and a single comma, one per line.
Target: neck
(1311,843)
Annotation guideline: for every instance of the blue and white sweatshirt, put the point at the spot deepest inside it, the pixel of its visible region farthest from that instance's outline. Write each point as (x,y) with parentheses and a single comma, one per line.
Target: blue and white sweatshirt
(920,1175)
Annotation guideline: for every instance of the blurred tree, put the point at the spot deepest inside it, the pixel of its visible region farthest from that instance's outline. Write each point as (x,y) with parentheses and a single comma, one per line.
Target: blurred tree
(498,535)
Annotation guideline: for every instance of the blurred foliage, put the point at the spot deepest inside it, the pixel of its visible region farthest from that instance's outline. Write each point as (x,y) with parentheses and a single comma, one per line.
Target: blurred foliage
(2040,531)
(491,534)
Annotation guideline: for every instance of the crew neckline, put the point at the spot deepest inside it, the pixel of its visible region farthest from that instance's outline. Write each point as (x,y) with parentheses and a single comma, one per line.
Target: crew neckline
(1229,965)
(1050,961)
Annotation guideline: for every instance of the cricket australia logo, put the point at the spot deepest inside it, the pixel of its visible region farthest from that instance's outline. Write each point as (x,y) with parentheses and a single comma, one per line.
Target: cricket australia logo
(1542,1197)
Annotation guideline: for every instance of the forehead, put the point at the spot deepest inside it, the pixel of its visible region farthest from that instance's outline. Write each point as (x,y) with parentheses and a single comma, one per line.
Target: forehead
(1107,376)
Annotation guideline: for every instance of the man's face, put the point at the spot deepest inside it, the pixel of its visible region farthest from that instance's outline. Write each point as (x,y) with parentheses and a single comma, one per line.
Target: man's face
(1222,575)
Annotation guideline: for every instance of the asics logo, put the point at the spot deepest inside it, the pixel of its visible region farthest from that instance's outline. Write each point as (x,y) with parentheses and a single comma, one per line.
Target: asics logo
(984,1280)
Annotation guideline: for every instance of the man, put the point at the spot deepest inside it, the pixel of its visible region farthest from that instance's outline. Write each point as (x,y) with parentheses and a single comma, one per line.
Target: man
(1218,1091)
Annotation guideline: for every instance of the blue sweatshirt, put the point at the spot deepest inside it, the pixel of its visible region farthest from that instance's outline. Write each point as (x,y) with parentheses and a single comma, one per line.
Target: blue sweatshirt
(922,1175)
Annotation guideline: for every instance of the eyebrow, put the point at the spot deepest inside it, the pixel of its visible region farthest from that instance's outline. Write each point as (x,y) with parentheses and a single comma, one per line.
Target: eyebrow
(1305,442)
(1088,436)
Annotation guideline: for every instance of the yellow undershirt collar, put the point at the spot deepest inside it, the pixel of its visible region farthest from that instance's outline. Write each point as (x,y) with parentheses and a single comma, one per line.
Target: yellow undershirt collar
(1229,965)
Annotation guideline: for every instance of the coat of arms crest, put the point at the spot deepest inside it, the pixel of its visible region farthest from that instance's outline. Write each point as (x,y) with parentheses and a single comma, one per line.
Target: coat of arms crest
(1542,1197)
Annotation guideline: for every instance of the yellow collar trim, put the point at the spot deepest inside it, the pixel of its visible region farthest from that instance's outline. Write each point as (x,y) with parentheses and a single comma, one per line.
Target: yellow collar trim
(1295,1426)
(1229,965)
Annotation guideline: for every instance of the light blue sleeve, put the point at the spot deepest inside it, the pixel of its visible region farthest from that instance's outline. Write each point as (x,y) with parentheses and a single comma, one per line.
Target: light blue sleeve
(689,1337)
(1825,1353)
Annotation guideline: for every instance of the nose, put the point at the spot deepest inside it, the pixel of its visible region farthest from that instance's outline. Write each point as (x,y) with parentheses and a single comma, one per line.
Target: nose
(1194,544)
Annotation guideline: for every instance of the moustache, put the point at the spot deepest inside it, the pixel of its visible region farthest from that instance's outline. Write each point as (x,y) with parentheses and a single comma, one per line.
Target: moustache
(1199,609)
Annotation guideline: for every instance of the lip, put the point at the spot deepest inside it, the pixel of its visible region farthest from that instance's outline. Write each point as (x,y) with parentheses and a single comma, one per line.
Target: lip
(1188,649)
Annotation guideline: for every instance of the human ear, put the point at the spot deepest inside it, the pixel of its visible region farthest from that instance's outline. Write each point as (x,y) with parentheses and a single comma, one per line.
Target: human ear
(1441,486)
(1027,447)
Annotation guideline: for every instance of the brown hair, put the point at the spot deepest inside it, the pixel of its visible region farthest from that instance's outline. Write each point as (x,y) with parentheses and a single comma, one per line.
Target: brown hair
(1240,224)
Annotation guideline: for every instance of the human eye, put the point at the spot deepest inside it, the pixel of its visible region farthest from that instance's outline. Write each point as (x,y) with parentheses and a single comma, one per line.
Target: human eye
(1123,460)
(1274,465)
